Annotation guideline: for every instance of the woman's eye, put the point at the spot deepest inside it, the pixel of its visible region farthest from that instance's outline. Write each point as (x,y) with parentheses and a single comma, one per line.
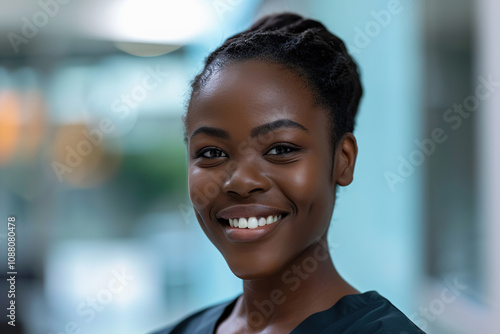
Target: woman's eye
(211,153)
(282,149)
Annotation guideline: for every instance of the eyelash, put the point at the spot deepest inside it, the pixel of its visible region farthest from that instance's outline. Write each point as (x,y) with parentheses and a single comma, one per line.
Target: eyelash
(283,146)
(200,153)
(290,148)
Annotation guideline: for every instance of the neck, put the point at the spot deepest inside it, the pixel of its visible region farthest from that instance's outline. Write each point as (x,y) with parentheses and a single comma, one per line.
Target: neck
(310,279)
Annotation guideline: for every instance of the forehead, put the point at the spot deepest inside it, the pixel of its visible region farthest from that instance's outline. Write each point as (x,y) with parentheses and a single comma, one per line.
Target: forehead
(254,92)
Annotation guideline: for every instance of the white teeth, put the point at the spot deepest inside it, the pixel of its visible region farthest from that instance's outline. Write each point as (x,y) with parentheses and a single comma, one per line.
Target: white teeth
(253,222)
(243,223)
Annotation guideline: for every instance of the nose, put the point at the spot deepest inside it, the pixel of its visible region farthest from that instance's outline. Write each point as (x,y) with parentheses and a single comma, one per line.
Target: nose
(245,179)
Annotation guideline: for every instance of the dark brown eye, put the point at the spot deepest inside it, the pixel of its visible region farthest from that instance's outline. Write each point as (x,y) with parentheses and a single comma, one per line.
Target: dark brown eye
(282,149)
(211,153)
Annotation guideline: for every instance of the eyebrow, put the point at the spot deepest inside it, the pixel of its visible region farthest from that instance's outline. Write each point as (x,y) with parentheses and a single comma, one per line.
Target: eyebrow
(256,132)
(214,132)
(281,123)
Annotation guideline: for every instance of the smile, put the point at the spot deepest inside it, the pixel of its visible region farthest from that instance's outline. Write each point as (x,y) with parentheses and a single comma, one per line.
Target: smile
(248,223)
(253,222)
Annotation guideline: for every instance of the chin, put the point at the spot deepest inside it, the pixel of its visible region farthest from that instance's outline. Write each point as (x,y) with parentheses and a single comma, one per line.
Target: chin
(254,267)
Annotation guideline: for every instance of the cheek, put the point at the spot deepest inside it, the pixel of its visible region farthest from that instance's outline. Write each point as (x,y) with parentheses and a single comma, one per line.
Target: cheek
(202,188)
(305,184)
(309,188)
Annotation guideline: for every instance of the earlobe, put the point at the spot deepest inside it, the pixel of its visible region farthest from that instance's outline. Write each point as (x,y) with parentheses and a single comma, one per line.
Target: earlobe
(345,159)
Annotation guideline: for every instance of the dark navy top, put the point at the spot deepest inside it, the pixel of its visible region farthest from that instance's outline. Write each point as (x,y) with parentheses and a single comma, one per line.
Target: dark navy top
(367,313)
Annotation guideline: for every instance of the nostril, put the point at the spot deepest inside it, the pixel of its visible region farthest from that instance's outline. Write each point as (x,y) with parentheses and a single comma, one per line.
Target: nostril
(245,188)
(244,194)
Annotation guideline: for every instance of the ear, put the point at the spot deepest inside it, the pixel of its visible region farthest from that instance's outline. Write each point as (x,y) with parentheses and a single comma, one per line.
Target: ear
(345,159)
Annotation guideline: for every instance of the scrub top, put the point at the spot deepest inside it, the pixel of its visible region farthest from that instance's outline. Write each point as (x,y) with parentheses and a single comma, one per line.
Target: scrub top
(367,313)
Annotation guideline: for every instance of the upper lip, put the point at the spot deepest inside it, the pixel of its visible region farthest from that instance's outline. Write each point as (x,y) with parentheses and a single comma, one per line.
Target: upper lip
(254,210)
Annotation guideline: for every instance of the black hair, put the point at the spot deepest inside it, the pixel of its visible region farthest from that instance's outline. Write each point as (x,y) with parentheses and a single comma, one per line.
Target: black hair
(305,47)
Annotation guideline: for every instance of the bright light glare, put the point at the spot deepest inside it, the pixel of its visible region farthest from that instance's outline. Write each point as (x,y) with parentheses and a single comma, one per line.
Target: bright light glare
(159,21)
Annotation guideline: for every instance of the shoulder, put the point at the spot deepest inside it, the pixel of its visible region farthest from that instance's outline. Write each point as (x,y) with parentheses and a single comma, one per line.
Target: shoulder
(367,313)
(200,322)
(371,313)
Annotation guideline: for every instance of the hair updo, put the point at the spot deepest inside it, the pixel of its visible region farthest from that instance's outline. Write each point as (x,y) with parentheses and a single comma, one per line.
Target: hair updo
(308,49)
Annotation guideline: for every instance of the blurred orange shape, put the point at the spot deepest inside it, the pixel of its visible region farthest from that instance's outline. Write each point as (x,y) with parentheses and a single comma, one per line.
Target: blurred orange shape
(10,115)
(79,157)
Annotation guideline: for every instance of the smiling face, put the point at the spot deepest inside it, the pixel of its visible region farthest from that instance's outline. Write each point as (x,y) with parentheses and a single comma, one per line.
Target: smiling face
(260,157)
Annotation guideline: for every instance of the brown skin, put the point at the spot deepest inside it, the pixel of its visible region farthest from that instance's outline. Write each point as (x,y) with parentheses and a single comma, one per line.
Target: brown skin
(289,268)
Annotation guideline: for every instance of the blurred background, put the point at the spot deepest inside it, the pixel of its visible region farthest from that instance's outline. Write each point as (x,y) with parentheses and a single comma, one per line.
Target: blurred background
(93,164)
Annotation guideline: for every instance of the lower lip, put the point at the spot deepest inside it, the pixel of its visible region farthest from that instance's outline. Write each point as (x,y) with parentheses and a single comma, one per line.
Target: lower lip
(237,234)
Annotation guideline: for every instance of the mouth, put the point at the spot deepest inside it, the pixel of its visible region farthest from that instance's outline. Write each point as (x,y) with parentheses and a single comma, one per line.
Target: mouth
(251,222)
(248,223)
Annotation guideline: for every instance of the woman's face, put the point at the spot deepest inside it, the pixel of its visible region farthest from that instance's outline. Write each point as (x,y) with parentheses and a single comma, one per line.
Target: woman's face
(259,150)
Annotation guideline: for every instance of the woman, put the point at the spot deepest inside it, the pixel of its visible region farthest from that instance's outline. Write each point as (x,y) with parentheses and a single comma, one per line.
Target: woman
(269,134)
